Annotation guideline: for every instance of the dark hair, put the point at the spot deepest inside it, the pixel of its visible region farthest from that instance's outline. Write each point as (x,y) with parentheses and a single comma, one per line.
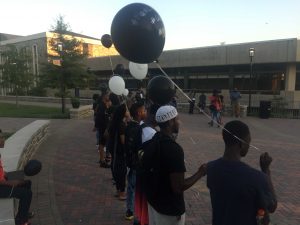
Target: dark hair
(103,94)
(237,128)
(117,119)
(114,99)
(95,97)
(134,109)
(163,125)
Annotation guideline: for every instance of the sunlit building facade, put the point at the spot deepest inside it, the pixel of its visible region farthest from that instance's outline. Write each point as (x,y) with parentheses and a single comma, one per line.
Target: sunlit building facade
(40,49)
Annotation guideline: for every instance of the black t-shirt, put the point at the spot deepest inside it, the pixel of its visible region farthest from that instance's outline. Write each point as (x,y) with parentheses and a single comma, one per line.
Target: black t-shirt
(170,160)
(117,148)
(237,191)
(101,116)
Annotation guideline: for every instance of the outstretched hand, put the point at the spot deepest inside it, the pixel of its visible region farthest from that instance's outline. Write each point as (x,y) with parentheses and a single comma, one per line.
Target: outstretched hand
(202,169)
(265,161)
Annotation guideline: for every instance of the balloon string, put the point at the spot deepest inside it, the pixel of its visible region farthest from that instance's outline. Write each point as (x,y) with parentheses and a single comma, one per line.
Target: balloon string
(208,116)
(111,65)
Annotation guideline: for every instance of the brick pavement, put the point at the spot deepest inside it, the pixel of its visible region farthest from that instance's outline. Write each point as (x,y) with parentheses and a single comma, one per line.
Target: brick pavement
(72,189)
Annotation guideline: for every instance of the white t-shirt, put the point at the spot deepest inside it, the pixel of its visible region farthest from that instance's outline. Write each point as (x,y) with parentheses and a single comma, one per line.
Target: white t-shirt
(147,133)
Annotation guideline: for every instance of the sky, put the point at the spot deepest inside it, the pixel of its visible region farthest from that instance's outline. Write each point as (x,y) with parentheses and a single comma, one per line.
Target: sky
(188,23)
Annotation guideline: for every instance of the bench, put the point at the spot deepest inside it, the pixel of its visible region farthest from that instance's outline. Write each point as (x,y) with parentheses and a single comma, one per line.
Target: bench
(18,149)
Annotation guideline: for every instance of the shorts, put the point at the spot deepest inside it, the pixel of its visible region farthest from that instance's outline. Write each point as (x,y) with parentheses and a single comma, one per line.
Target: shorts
(158,218)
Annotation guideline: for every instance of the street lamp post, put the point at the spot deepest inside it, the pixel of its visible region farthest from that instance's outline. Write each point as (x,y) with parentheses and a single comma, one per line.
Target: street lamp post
(251,55)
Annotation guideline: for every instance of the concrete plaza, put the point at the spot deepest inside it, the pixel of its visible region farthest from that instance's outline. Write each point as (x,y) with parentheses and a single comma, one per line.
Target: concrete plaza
(72,189)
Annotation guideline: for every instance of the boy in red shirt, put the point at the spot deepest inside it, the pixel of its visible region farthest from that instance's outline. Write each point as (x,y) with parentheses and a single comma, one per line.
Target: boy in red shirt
(20,189)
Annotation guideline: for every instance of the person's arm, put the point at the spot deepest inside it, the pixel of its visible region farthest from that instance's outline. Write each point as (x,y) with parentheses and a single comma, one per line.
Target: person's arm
(122,139)
(265,162)
(180,184)
(122,133)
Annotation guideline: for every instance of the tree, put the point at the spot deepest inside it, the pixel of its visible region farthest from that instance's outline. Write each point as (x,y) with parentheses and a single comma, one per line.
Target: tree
(65,68)
(16,73)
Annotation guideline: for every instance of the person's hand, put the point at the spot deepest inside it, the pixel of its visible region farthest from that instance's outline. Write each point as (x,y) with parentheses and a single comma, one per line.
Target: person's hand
(202,170)
(265,161)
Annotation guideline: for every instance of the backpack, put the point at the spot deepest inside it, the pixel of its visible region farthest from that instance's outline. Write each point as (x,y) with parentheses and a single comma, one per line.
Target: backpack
(133,143)
(149,169)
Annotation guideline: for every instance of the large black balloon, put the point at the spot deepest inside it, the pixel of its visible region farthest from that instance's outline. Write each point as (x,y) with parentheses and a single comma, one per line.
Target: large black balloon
(106,40)
(32,167)
(160,90)
(138,33)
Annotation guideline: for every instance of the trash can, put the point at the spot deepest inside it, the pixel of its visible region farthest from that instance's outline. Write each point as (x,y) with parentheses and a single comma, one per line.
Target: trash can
(265,109)
(243,110)
(77,92)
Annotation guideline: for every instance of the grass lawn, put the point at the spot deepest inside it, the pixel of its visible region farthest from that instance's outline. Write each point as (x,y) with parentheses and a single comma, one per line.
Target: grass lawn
(30,111)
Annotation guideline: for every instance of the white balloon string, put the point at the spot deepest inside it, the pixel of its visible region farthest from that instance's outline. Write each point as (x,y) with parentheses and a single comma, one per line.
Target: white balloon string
(111,65)
(208,116)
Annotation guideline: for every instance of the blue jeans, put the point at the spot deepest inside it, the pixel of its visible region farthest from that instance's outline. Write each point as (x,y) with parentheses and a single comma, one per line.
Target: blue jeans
(131,180)
(215,116)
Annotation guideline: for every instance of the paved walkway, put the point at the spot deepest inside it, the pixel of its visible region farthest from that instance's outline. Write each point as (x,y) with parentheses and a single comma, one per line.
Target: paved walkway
(71,189)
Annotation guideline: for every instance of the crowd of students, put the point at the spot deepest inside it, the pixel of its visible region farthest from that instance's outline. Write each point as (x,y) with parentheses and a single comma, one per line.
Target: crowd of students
(141,148)
(138,144)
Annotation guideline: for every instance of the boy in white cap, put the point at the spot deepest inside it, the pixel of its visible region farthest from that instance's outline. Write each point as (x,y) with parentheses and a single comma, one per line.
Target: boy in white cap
(163,161)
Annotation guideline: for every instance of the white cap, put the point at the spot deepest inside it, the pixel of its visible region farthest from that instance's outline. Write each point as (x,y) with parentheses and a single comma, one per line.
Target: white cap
(165,113)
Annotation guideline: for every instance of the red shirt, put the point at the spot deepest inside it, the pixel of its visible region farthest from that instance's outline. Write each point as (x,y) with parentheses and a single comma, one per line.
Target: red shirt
(215,100)
(2,174)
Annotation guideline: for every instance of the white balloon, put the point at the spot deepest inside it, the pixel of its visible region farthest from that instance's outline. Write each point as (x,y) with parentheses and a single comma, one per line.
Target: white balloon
(125,92)
(138,71)
(117,85)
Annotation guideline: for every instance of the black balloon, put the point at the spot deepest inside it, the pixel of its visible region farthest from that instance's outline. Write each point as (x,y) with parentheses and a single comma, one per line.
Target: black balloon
(138,33)
(160,90)
(32,167)
(119,69)
(106,40)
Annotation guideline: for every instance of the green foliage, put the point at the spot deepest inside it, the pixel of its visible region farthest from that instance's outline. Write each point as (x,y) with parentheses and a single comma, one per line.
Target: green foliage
(71,72)
(16,71)
(38,91)
(29,111)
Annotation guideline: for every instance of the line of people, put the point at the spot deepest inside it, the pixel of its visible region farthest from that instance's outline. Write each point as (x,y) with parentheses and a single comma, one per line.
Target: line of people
(143,148)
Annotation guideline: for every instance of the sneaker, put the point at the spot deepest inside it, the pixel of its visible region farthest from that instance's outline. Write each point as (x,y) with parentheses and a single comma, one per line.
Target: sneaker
(129,215)
(122,196)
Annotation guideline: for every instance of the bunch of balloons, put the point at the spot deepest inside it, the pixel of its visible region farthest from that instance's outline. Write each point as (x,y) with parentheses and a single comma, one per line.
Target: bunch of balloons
(138,34)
